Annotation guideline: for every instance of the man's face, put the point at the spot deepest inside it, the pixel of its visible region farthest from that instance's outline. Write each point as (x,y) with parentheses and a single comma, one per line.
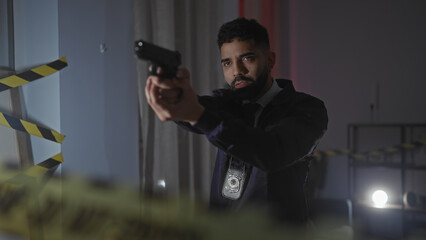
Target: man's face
(246,68)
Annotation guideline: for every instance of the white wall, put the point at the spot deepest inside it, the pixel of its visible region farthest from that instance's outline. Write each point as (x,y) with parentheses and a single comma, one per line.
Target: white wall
(99,110)
(8,147)
(4,39)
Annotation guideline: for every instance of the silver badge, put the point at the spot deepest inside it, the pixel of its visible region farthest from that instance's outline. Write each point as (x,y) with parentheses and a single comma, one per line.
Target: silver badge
(234,182)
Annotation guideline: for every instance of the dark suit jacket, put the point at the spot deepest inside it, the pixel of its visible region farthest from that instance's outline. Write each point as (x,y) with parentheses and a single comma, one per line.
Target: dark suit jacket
(277,150)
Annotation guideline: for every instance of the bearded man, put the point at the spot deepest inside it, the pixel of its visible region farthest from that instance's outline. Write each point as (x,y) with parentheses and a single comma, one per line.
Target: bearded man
(264,130)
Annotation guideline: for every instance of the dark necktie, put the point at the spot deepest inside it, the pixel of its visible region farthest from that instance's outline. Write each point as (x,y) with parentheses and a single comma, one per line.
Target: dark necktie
(249,110)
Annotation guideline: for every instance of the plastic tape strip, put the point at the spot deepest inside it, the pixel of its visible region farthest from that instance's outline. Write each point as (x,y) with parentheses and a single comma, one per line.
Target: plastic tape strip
(33,74)
(30,128)
(70,208)
(377,152)
(21,79)
(36,170)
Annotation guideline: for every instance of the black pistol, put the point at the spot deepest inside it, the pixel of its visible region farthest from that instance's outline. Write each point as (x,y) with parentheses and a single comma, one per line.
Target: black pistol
(169,61)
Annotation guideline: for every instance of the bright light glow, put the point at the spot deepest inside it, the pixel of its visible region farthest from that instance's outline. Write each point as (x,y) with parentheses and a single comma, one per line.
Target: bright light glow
(380,198)
(161,183)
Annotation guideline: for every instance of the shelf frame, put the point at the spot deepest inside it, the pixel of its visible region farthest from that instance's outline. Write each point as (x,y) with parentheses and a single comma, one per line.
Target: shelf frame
(353,137)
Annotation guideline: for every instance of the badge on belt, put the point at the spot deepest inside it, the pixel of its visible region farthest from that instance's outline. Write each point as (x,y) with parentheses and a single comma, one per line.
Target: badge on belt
(234,182)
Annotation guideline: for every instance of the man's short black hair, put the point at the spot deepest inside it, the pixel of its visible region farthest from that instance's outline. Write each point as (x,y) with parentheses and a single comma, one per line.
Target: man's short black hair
(243,29)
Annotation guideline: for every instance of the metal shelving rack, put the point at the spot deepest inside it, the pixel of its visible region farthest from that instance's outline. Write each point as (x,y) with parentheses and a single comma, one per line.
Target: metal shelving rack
(406,135)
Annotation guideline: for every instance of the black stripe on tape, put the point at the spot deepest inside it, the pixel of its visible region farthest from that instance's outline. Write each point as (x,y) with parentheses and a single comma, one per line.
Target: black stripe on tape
(3,87)
(49,163)
(14,123)
(58,65)
(47,134)
(29,75)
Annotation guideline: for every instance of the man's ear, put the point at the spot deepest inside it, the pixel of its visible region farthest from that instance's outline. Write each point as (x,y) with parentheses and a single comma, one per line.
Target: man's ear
(271,60)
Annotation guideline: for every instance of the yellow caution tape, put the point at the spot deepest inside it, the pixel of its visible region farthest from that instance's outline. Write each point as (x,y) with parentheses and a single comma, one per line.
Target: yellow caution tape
(316,154)
(30,128)
(33,74)
(376,152)
(23,78)
(408,145)
(391,149)
(330,152)
(71,208)
(358,156)
(36,170)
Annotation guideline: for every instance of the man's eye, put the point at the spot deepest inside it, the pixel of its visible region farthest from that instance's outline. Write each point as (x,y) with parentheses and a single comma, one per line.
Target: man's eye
(248,58)
(226,64)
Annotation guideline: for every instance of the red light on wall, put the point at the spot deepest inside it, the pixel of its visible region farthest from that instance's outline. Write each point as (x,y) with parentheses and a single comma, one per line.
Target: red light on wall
(241,8)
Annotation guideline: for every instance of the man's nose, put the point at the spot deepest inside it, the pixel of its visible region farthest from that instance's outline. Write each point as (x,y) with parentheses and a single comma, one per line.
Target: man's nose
(239,69)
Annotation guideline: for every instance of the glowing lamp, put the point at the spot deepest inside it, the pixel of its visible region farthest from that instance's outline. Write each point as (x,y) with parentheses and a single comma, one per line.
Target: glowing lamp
(380,198)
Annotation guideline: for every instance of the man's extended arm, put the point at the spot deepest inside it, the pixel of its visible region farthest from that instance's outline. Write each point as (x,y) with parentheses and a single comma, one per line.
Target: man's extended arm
(291,132)
(289,135)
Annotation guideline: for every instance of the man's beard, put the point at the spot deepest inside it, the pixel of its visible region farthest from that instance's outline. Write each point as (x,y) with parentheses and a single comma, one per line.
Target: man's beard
(254,88)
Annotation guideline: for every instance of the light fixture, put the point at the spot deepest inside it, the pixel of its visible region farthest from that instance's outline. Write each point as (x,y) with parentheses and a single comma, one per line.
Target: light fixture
(380,198)
(161,183)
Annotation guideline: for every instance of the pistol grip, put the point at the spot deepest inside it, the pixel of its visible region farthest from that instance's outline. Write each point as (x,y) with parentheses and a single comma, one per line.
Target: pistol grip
(166,72)
(153,69)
